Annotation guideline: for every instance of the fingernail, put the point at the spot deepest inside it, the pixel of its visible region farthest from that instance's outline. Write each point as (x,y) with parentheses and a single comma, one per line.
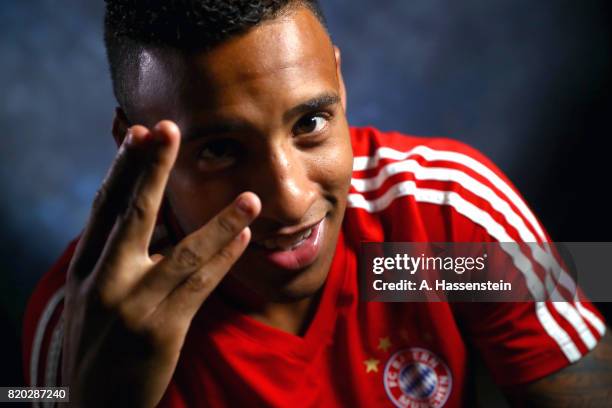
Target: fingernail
(131,140)
(244,205)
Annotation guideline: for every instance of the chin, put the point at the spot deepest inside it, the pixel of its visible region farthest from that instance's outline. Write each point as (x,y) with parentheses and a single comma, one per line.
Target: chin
(304,285)
(282,286)
(271,283)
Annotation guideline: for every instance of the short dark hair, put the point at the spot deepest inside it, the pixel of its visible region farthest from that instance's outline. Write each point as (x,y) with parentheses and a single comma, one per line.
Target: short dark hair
(185,25)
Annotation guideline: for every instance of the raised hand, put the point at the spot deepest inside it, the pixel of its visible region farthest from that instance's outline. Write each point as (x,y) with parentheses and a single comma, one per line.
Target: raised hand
(127,313)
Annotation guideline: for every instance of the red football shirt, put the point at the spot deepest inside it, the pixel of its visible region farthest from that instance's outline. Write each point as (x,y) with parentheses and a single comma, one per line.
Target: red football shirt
(369,354)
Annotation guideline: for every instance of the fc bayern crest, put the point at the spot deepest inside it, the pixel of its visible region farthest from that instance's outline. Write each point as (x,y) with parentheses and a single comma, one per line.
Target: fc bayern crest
(417,378)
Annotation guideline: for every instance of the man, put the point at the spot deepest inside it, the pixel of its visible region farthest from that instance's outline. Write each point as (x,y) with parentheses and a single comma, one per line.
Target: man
(242,289)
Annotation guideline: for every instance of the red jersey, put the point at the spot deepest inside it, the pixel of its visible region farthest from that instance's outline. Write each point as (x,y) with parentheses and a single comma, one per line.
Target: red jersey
(369,354)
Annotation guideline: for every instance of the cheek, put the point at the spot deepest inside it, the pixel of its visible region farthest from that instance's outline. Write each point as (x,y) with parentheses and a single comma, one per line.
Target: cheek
(194,202)
(333,166)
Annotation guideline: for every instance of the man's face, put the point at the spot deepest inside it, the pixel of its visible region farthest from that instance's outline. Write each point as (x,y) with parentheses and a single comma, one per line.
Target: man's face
(263,112)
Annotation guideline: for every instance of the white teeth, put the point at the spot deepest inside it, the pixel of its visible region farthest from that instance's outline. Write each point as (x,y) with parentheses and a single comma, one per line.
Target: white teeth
(280,243)
(298,243)
(308,233)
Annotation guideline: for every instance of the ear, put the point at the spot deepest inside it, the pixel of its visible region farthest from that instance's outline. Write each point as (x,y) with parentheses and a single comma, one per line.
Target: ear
(339,75)
(120,126)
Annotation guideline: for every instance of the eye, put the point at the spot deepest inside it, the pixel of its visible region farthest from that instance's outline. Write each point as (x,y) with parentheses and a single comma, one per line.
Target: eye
(312,123)
(219,153)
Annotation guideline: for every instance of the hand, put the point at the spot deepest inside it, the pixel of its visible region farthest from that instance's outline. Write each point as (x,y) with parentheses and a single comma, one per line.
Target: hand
(127,313)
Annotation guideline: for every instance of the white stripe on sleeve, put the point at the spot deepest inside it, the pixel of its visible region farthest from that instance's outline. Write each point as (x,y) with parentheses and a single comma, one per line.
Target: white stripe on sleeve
(494,229)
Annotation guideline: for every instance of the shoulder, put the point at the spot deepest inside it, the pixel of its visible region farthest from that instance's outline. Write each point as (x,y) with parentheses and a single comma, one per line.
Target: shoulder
(373,149)
(43,325)
(451,188)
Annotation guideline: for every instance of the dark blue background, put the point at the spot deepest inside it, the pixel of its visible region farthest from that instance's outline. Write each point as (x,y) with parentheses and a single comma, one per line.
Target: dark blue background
(527,82)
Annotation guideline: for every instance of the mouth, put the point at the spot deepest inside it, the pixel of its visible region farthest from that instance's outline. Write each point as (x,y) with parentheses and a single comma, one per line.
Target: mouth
(293,251)
(288,241)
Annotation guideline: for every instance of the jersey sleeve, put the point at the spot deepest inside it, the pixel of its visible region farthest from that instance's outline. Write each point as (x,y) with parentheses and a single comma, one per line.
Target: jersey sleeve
(441,190)
(43,326)
(519,341)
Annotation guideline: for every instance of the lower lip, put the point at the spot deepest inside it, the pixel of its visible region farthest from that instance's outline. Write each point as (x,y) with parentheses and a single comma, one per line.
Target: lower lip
(301,256)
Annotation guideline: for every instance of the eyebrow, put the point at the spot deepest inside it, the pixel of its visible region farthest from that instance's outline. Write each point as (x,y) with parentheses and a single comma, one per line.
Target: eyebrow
(321,101)
(229,125)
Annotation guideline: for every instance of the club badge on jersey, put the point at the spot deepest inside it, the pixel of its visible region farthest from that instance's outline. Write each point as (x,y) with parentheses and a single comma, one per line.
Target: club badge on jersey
(416,377)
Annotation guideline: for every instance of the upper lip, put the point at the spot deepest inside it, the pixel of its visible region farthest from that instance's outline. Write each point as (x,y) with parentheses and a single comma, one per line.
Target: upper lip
(290,232)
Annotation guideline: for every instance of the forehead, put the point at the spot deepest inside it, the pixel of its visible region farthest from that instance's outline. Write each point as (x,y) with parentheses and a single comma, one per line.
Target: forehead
(285,58)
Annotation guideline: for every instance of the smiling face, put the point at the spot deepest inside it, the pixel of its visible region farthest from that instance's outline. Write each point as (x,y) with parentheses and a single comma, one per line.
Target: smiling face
(262,112)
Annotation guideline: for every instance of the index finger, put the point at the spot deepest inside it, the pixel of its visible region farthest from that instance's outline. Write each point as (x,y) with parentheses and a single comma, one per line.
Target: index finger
(134,229)
(111,199)
(211,249)
(201,245)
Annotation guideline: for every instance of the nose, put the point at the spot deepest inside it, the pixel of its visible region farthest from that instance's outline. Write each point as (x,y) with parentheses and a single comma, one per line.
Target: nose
(286,191)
